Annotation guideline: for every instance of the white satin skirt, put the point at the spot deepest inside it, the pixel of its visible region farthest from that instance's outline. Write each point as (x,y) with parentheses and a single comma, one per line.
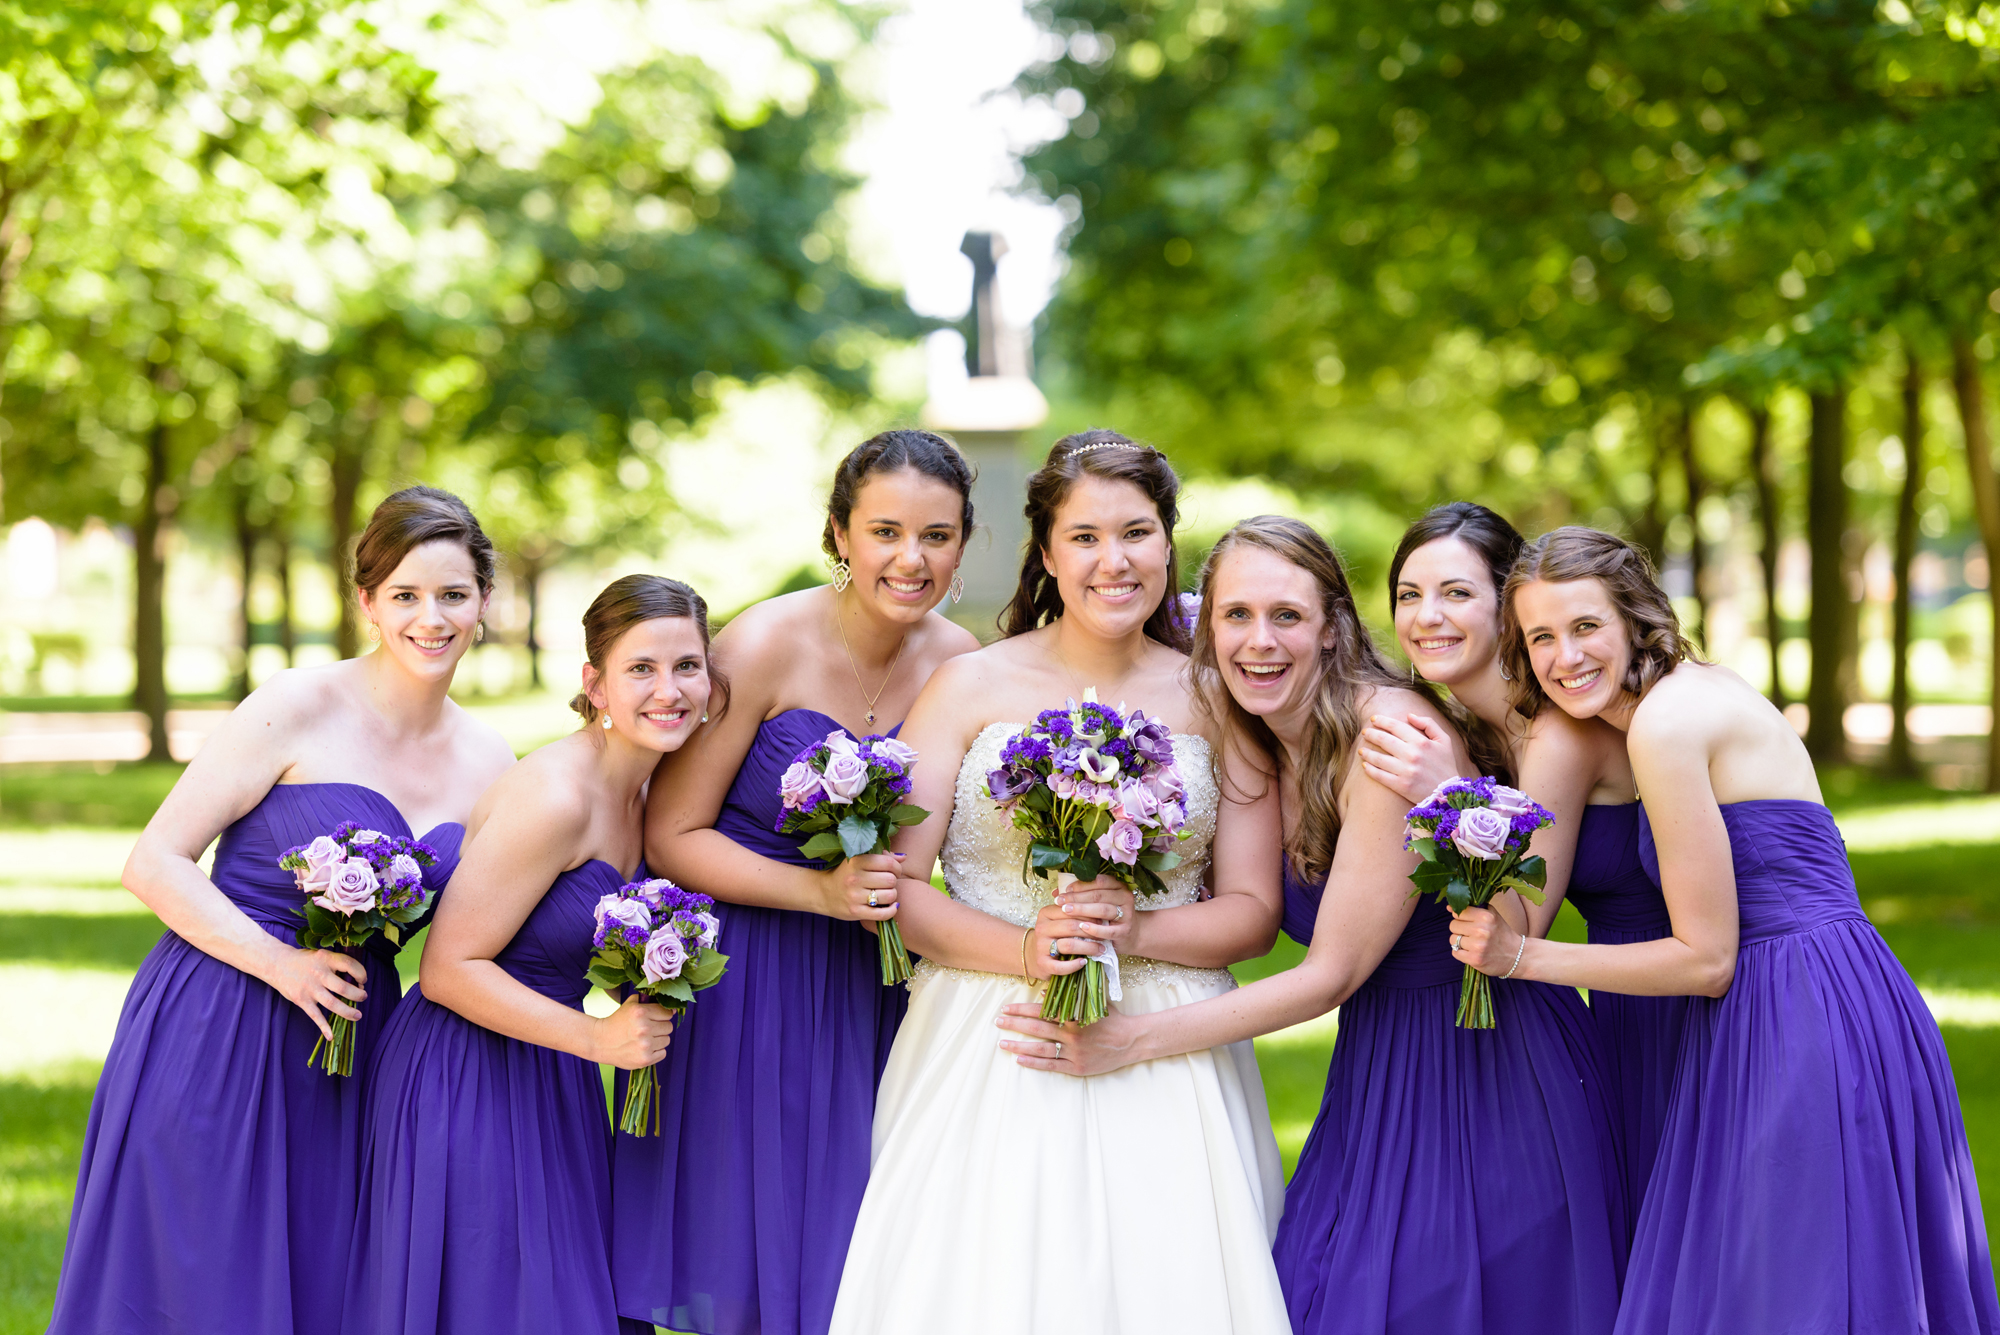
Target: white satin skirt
(1023,1202)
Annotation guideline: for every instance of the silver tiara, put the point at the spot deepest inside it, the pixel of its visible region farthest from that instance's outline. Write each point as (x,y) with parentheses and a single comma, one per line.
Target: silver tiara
(1115,445)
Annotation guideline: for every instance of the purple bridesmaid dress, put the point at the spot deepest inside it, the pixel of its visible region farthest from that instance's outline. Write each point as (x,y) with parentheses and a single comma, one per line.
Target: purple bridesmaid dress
(1456,1181)
(1813,1173)
(217,1161)
(1640,1036)
(735,1219)
(485,1203)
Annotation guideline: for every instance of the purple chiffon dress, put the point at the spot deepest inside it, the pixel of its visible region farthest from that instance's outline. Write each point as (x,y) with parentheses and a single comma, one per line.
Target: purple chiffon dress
(735,1219)
(485,1203)
(1813,1172)
(1640,1036)
(218,1162)
(1456,1181)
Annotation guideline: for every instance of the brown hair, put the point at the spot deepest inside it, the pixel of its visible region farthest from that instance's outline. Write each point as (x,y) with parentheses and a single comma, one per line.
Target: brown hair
(1097,453)
(890,451)
(625,603)
(1498,543)
(1348,669)
(1626,572)
(407,520)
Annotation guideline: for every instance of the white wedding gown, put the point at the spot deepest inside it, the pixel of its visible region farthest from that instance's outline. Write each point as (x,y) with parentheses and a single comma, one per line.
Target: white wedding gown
(1020,1202)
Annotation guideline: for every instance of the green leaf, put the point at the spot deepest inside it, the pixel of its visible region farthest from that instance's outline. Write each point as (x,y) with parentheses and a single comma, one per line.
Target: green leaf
(905,814)
(1159,862)
(859,837)
(1043,856)
(705,969)
(1533,870)
(1426,849)
(825,846)
(677,988)
(1523,888)
(607,978)
(1458,895)
(390,930)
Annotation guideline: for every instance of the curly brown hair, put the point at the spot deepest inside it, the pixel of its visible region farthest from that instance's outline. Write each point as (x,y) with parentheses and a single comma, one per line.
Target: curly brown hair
(1563,555)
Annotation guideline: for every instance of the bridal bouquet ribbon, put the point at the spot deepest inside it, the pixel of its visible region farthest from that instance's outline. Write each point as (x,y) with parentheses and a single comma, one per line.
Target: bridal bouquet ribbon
(1472,835)
(658,940)
(848,795)
(1099,793)
(356,882)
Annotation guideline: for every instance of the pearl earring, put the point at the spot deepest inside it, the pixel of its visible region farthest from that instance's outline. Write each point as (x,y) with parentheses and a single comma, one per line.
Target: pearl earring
(607,721)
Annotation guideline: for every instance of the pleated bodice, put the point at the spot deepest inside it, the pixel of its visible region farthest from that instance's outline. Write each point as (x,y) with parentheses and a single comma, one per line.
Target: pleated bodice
(1791,867)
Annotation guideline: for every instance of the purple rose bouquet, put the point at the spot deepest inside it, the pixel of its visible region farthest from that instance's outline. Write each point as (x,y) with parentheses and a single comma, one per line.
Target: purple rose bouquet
(356,882)
(848,796)
(1099,793)
(1472,835)
(658,940)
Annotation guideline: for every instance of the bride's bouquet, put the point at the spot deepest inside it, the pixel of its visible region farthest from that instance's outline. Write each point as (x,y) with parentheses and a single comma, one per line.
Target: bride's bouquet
(848,795)
(1099,793)
(658,940)
(1472,835)
(356,882)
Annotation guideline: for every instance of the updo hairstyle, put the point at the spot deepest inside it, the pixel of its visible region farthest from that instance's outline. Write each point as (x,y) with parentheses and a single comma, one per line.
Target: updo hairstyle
(625,603)
(409,519)
(1096,453)
(927,453)
(1563,555)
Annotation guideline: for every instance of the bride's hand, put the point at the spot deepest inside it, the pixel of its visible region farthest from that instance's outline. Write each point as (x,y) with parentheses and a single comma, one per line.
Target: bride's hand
(1057,934)
(1066,1048)
(1105,910)
(1409,756)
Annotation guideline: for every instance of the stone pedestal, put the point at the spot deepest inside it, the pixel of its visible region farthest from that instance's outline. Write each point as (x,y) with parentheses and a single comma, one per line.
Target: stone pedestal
(986,416)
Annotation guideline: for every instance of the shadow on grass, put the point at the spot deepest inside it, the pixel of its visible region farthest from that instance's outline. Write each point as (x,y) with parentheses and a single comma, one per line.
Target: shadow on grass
(123,797)
(79,940)
(41,1142)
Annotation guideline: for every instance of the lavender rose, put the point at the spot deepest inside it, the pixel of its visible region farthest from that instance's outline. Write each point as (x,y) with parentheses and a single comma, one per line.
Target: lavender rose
(1062,785)
(322,853)
(1166,782)
(360,837)
(1172,816)
(1122,842)
(840,744)
(403,869)
(798,785)
(845,777)
(620,917)
(1482,833)
(900,754)
(1137,802)
(665,954)
(1511,802)
(350,888)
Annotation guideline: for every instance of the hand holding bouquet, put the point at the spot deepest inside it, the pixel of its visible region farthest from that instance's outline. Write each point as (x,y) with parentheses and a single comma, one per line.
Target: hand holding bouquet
(1471,835)
(848,795)
(356,882)
(658,940)
(1099,793)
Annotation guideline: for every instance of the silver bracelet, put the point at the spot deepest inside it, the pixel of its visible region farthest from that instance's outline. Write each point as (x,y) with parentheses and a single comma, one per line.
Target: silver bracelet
(1517,957)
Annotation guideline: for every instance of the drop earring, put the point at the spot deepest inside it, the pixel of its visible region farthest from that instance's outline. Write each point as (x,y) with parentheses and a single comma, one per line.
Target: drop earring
(607,721)
(957,589)
(479,633)
(1505,675)
(374,633)
(704,716)
(843,575)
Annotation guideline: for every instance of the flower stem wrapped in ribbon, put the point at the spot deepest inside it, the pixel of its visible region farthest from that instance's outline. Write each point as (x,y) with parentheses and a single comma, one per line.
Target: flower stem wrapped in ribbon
(848,796)
(1099,793)
(356,882)
(1472,835)
(659,941)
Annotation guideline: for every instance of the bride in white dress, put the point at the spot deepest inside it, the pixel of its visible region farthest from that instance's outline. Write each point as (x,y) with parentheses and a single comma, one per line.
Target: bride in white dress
(1009,1200)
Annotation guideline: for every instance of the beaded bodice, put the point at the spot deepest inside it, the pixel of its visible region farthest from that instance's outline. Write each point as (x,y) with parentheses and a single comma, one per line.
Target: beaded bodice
(983,851)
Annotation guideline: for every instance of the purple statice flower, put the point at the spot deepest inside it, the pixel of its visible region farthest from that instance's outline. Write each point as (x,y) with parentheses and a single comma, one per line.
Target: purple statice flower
(1025,750)
(1056,723)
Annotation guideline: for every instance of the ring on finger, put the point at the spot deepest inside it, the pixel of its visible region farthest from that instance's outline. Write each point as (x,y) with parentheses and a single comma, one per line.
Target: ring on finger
(1120,916)
(1455,940)
(871,899)
(1053,952)
(1058,1051)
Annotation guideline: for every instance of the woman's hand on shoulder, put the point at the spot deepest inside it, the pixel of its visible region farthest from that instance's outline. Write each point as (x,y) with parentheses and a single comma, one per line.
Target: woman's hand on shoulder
(1409,754)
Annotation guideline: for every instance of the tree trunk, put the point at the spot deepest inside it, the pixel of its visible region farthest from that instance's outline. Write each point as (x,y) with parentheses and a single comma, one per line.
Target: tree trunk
(149,626)
(1649,529)
(288,635)
(349,457)
(1826,526)
(531,586)
(1902,760)
(1986,502)
(1697,566)
(246,556)
(1764,471)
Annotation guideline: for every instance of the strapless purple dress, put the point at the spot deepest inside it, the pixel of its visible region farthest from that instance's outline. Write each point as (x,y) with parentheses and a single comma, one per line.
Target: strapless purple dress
(485,1204)
(1456,1181)
(218,1161)
(1641,1036)
(1813,1172)
(735,1219)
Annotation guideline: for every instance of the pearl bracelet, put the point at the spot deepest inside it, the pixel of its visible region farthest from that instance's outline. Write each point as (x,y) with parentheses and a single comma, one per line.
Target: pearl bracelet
(1517,957)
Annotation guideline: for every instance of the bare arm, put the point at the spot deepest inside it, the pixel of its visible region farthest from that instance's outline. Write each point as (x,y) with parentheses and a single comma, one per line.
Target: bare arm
(1558,770)
(691,784)
(1365,908)
(528,833)
(1670,746)
(229,776)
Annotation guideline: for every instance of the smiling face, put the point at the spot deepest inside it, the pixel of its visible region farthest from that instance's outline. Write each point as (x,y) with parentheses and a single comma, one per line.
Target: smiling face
(427,608)
(1447,612)
(1109,555)
(1578,643)
(1269,630)
(903,541)
(655,684)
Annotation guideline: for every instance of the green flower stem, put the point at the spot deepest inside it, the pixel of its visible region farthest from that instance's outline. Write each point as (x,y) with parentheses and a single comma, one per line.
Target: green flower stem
(339,1050)
(895,959)
(641,1114)
(1475,1000)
